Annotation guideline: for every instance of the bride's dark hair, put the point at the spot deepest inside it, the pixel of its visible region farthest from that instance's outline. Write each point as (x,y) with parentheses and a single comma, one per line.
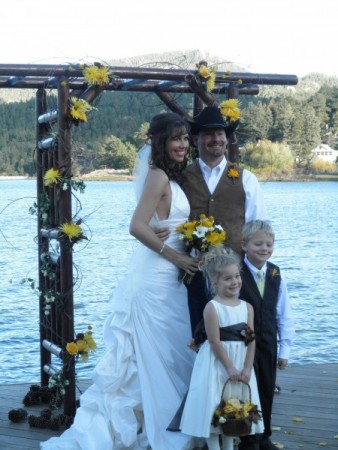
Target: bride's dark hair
(163,127)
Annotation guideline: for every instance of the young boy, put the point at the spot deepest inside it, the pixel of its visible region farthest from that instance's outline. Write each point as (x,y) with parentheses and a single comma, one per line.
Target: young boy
(264,289)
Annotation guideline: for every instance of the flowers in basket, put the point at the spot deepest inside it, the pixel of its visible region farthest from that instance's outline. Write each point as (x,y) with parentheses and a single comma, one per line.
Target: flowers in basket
(83,345)
(198,235)
(235,416)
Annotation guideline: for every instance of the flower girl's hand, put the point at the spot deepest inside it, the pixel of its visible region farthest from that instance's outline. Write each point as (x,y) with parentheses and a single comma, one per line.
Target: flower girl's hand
(246,375)
(234,374)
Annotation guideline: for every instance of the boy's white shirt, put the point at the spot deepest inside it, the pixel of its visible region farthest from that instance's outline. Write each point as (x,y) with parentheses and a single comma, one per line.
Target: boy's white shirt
(285,323)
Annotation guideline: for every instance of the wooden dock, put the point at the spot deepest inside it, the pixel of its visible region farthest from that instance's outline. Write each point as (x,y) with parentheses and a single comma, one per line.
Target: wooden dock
(305,414)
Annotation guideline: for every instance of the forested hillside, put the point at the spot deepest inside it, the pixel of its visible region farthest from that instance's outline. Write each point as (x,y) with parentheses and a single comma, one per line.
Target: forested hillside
(300,116)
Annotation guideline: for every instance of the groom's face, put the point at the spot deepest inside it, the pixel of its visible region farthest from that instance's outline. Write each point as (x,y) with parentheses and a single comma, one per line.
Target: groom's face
(211,144)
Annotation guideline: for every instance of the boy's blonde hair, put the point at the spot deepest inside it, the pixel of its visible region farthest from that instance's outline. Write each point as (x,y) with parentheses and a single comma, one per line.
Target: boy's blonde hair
(215,260)
(251,228)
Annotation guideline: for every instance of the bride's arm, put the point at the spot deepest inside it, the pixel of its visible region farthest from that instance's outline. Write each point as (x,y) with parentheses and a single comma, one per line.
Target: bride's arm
(154,190)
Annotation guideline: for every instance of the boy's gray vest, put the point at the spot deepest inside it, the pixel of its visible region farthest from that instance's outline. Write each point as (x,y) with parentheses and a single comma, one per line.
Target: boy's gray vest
(265,320)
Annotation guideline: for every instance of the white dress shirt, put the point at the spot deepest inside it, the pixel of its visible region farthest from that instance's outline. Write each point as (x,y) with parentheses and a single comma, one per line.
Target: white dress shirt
(285,324)
(254,201)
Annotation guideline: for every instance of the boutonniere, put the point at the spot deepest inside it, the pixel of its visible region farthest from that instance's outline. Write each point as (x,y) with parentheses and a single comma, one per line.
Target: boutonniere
(233,173)
(274,273)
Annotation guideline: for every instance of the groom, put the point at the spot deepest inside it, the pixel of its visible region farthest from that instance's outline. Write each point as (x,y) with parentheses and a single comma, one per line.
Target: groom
(215,187)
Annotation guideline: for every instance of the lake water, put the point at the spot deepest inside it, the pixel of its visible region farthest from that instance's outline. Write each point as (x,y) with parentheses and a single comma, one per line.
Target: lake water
(305,218)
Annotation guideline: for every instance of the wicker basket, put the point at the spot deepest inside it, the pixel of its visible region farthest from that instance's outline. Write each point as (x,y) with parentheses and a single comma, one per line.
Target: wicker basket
(236,427)
(233,426)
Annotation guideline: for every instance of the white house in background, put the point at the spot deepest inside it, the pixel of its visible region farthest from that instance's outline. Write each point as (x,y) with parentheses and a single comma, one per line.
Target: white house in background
(326,153)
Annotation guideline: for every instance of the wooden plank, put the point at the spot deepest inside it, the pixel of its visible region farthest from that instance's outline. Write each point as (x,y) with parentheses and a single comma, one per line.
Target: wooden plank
(308,392)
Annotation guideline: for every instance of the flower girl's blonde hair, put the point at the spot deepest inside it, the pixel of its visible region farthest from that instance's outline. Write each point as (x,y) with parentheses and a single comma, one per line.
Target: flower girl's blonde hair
(214,261)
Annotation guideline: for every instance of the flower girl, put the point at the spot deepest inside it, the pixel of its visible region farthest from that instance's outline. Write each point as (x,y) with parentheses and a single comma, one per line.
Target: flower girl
(227,353)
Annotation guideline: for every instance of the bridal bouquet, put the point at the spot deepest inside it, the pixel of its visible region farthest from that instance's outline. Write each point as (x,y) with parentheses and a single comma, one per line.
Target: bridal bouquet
(198,235)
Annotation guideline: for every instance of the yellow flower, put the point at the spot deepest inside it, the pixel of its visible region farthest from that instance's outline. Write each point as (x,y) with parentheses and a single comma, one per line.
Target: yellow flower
(233,173)
(88,336)
(102,76)
(72,348)
(79,108)
(52,176)
(82,346)
(203,71)
(95,75)
(211,81)
(233,402)
(207,223)
(71,230)
(230,109)
(216,238)
(187,228)
(218,412)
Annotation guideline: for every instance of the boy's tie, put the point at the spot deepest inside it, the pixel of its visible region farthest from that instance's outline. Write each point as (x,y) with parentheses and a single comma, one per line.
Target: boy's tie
(260,282)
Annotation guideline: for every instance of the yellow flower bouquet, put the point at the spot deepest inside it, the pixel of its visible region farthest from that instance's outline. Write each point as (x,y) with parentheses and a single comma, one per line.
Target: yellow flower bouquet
(235,416)
(198,235)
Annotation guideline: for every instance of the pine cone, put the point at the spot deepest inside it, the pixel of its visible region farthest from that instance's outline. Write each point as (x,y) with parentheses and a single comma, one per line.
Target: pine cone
(31,398)
(46,413)
(17,415)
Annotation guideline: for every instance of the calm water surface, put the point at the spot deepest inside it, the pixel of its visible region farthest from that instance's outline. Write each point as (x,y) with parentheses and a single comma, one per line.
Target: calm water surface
(305,218)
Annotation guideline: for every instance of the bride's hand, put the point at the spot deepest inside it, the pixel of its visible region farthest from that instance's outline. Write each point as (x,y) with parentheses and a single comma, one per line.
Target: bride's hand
(187,263)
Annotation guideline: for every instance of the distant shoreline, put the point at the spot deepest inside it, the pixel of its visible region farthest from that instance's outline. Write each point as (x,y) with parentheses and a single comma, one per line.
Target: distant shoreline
(124,175)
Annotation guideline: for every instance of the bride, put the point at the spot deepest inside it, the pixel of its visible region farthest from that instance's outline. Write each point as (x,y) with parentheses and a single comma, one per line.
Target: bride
(140,381)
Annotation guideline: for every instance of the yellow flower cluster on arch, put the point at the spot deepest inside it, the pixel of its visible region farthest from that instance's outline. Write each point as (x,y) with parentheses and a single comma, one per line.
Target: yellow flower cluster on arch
(230,109)
(96,75)
(209,74)
(83,345)
(79,109)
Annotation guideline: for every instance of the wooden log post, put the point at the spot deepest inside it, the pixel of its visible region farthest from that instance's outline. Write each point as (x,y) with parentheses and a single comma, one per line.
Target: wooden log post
(66,257)
(168,100)
(41,164)
(199,90)
(233,149)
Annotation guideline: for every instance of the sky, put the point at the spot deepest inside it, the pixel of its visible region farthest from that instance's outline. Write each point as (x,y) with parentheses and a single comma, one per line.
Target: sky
(264,36)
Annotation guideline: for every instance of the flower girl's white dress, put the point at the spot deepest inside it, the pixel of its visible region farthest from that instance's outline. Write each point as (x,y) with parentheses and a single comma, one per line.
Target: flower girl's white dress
(140,381)
(209,376)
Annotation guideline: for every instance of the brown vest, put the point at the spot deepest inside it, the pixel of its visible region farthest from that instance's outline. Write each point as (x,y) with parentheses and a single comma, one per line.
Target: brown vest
(226,204)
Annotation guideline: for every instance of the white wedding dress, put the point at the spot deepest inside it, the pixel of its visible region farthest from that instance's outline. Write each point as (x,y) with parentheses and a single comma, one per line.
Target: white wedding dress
(140,381)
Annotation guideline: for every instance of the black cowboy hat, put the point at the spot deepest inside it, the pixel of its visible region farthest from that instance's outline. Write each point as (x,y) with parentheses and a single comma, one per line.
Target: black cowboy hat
(210,117)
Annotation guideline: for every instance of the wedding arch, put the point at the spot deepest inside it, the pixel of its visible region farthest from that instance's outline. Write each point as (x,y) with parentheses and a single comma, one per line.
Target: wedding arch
(76,88)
